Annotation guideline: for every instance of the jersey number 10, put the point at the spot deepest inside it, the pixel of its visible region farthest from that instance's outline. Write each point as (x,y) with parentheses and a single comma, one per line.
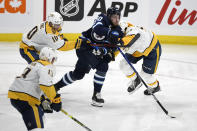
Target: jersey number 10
(34,30)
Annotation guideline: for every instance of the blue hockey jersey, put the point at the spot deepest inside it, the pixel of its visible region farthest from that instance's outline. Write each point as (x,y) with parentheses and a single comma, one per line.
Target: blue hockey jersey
(100,30)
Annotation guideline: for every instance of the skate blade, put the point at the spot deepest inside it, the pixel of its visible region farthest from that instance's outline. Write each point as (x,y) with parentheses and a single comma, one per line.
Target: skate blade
(135,89)
(96,104)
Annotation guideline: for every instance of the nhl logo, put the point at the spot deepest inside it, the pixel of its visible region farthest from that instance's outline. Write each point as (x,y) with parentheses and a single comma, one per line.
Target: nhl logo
(65,9)
(71,10)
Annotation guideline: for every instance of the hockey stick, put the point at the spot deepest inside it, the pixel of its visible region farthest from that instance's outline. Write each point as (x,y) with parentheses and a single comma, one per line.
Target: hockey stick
(162,107)
(107,44)
(63,111)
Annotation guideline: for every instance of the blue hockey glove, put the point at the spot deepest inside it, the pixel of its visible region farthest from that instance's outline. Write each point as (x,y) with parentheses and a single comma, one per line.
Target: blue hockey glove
(113,37)
(109,56)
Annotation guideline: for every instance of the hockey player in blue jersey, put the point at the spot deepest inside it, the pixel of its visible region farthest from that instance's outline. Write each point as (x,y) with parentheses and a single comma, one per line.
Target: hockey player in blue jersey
(105,29)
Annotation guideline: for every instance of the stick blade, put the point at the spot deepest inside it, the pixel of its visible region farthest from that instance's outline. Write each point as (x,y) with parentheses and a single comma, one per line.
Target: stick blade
(175,115)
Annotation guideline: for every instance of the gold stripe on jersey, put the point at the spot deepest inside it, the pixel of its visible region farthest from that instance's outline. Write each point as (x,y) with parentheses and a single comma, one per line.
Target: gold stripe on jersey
(43,62)
(36,114)
(23,96)
(30,56)
(127,39)
(49,91)
(116,53)
(157,62)
(147,50)
(25,46)
(49,29)
(68,45)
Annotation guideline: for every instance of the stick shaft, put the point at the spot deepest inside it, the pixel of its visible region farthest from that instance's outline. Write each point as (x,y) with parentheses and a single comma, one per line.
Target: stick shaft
(159,103)
(88,129)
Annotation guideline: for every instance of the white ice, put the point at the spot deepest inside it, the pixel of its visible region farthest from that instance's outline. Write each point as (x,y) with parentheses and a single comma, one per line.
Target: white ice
(177,73)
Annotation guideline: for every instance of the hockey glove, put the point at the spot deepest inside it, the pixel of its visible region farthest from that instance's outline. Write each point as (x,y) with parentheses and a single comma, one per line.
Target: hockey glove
(80,42)
(109,57)
(45,104)
(99,51)
(56,103)
(113,37)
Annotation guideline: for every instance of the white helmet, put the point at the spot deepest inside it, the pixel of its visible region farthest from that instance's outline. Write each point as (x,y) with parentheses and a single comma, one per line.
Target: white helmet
(48,54)
(55,18)
(128,30)
(123,25)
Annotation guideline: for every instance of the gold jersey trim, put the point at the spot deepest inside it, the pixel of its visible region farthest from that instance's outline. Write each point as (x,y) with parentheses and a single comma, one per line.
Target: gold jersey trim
(68,45)
(44,62)
(23,45)
(147,50)
(23,96)
(49,91)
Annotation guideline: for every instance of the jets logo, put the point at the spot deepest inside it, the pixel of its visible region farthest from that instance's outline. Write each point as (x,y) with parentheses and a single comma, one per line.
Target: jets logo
(71,10)
(66,9)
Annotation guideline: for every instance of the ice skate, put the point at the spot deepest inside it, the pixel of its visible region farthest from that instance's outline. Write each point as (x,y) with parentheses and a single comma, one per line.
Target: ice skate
(134,85)
(97,100)
(151,91)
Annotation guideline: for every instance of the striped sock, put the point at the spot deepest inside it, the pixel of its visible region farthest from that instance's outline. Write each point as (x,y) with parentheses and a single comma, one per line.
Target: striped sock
(66,80)
(99,78)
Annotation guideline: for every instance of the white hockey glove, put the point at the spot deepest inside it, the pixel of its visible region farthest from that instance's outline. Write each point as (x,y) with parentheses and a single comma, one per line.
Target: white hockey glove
(46,105)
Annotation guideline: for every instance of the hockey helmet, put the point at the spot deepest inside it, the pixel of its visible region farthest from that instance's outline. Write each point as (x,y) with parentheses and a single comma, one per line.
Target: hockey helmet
(126,29)
(55,19)
(123,25)
(48,54)
(113,11)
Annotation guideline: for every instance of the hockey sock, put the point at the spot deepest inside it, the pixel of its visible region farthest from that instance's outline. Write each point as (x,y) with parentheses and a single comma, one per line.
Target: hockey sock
(99,78)
(66,80)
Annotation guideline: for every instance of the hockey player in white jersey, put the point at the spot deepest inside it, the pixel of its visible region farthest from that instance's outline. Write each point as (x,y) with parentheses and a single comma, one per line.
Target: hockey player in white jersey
(146,47)
(26,90)
(47,34)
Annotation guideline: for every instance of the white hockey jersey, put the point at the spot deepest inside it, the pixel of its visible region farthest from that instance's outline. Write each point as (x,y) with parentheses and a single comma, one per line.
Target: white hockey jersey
(44,36)
(36,79)
(143,45)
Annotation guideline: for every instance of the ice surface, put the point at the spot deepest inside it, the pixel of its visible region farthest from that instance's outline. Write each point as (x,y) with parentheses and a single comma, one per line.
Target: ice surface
(177,73)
